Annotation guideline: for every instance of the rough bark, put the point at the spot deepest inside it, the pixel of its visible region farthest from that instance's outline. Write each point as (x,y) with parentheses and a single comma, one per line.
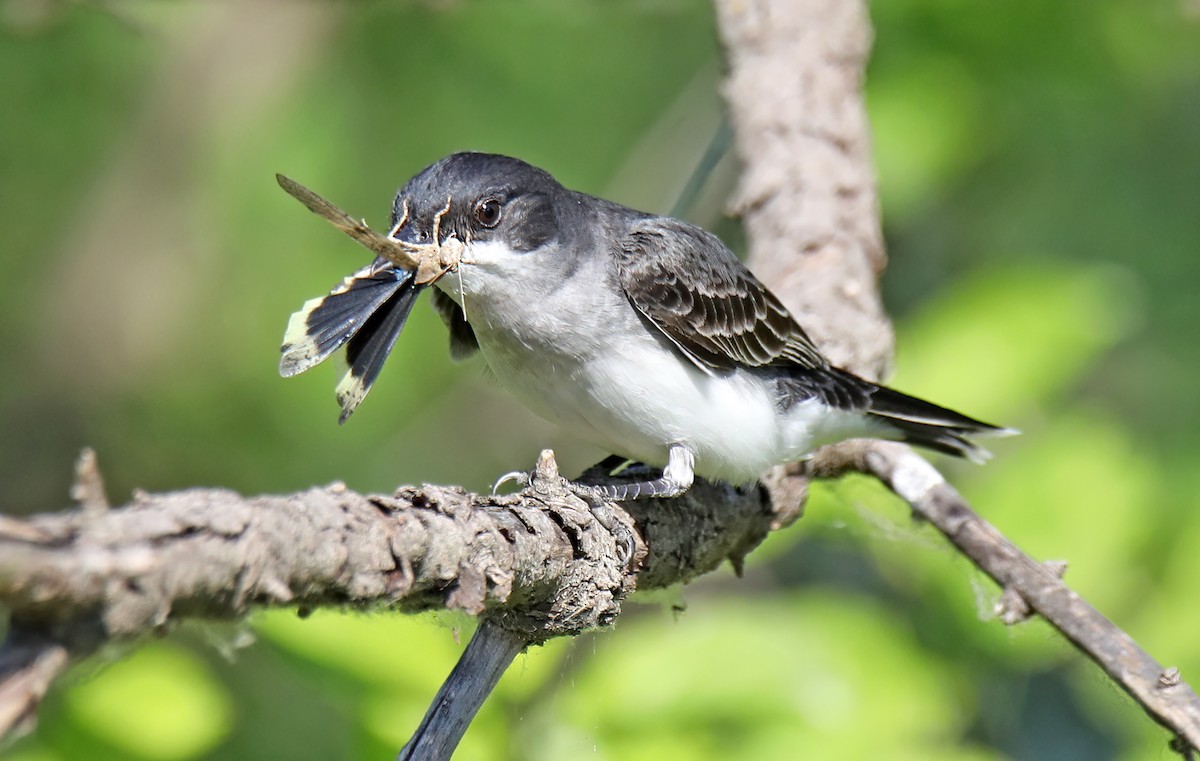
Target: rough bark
(808,200)
(538,564)
(539,561)
(807,195)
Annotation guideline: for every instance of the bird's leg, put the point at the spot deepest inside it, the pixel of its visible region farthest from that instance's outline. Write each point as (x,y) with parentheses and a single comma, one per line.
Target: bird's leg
(545,476)
(525,478)
(676,478)
(602,511)
(521,478)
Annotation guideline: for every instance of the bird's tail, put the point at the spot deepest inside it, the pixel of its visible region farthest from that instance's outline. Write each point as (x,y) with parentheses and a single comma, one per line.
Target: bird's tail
(927,425)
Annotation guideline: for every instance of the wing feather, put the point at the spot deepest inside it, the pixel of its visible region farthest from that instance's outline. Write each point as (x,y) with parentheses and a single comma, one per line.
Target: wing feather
(462,336)
(686,283)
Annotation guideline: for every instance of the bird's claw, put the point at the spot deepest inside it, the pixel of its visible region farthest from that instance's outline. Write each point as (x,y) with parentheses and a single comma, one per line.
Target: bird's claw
(520,477)
(598,499)
(621,534)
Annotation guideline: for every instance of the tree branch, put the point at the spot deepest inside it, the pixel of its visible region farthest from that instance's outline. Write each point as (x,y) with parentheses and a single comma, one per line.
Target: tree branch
(28,665)
(476,674)
(807,188)
(1029,586)
(807,194)
(538,564)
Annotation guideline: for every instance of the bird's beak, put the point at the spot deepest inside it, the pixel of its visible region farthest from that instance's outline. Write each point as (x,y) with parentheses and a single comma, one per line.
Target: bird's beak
(438,255)
(405,233)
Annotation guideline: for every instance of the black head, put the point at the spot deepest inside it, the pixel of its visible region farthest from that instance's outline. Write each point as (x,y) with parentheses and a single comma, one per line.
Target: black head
(490,197)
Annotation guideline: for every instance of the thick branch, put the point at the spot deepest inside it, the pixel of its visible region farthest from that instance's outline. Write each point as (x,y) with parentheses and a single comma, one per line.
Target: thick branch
(807,193)
(537,563)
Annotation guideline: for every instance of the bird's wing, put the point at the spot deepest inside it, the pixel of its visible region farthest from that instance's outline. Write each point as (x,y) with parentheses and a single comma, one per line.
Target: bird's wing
(686,283)
(366,314)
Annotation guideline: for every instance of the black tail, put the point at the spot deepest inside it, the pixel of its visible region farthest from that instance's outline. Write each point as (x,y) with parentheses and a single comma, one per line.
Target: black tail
(927,425)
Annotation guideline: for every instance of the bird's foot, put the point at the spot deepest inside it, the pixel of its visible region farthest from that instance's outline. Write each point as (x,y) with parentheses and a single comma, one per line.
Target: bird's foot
(520,477)
(545,478)
(663,487)
(672,481)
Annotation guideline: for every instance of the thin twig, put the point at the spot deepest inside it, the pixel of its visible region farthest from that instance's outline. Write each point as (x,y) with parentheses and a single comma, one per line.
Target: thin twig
(430,260)
(88,489)
(1160,691)
(28,665)
(358,229)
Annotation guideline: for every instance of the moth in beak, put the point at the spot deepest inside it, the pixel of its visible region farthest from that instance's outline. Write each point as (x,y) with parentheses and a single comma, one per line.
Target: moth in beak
(367,311)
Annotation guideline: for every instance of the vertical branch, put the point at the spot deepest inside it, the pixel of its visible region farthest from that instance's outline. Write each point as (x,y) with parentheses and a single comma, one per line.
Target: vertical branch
(488,654)
(810,208)
(807,193)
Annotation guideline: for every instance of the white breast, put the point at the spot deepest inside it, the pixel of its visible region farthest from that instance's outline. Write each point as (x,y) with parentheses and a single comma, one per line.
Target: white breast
(582,358)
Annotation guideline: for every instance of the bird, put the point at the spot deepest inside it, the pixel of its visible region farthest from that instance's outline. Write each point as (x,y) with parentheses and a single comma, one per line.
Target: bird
(640,333)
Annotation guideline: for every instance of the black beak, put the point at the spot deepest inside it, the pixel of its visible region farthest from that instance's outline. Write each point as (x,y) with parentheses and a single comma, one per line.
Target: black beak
(406,232)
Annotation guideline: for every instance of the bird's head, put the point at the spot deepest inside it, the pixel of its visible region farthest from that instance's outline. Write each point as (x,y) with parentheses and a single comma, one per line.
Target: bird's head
(501,210)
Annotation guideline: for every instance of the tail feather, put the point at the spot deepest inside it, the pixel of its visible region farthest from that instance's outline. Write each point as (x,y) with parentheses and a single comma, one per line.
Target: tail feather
(925,424)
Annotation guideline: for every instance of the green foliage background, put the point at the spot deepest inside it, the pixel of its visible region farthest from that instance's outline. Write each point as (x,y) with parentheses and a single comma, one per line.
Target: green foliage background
(1040,175)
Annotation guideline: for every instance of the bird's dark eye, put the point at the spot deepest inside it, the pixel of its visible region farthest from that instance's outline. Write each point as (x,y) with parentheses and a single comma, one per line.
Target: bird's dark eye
(487,212)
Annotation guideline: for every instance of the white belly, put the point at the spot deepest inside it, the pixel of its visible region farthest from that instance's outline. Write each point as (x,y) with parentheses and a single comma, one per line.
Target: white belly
(641,399)
(584,359)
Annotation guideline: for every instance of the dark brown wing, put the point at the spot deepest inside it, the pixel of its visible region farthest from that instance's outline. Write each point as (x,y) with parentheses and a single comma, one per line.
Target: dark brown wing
(692,288)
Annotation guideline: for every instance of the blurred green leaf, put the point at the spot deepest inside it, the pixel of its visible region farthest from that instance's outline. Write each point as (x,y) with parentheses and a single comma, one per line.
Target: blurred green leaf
(926,129)
(760,678)
(160,703)
(1009,337)
(32,753)
(1082,478)
(376,648)
(1167,622)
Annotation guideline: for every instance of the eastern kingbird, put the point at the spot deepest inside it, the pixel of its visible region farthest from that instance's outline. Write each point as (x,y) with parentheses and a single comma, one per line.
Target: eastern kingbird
(642,334)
